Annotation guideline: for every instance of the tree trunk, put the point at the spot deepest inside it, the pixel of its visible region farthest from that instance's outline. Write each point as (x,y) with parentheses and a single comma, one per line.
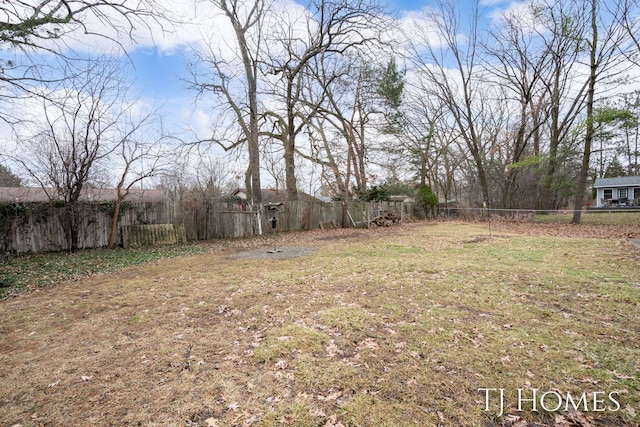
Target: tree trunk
(290,147)
(586,155)
(114,222)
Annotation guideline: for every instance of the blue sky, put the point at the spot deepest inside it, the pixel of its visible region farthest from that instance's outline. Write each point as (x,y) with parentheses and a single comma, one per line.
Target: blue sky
(159,74)
(158,70)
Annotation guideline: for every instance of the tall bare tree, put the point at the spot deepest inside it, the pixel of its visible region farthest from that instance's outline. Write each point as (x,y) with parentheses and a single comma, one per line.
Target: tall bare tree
(213,72)
(333,28)
(450,71)
(607,45)
(142,151)
(519,64)
(560,28)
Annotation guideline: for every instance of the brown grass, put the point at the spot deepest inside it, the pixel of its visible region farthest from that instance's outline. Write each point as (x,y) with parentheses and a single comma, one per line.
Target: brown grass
(385,327)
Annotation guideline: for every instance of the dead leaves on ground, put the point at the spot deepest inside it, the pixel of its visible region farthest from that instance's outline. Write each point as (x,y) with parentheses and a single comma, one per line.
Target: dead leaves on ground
(571,418)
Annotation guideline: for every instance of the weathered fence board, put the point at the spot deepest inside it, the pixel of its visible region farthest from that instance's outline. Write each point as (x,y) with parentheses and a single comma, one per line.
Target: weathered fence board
(37,228)
(152,234)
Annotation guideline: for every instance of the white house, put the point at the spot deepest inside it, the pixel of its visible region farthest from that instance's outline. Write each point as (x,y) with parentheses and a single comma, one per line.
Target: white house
(618,191)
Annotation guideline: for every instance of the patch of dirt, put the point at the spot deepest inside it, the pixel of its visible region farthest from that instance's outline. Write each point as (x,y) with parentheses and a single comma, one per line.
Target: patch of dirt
(299,243)
(284,252)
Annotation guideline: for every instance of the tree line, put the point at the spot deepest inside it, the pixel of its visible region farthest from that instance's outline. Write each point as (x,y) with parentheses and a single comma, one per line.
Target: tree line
(523,111)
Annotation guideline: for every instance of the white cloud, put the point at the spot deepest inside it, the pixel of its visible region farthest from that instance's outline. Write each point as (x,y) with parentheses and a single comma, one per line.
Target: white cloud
(522,11)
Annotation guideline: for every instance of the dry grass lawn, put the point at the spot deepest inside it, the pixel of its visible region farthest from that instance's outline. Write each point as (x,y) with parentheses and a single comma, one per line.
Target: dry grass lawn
(398,326)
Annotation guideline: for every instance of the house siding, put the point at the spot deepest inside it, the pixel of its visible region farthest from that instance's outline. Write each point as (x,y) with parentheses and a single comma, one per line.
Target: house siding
(617,190)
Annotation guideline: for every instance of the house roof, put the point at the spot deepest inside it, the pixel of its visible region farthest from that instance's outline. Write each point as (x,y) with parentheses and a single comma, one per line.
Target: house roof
(619,181)
(37,194)
(276,196)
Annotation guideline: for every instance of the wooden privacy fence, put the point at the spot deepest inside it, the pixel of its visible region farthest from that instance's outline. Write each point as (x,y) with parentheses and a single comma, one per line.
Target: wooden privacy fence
(222,220)
(35,226)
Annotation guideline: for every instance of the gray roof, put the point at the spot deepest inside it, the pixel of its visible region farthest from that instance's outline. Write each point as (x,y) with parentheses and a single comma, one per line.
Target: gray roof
(273,196)
(37,194)
(619,181)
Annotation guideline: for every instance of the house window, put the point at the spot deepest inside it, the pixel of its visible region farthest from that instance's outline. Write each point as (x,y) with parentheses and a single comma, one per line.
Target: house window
(622,193)
(608,194)
(636,193)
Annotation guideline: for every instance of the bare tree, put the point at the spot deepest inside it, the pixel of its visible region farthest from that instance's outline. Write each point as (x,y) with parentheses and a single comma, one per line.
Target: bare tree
(142,151)
(213,73)
(343,94)
(606,43)
(78,133)
(627,13)
(435,49)
(560,28)
(46,25)
(519,67)
(428,144)
(334,28)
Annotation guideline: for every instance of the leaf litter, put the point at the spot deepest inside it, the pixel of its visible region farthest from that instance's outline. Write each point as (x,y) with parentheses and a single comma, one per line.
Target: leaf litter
(356,332)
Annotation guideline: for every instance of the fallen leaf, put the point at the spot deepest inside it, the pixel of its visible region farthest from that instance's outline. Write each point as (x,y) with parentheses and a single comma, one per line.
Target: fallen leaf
(332,349)
(623,377)
(331,396)
(367,343)
(630,410)
(249,421)
(561,421)
(332,421)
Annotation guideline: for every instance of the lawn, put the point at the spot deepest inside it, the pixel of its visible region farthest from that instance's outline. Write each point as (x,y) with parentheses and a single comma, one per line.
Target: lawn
(33,271)
(595,216)
(407,325)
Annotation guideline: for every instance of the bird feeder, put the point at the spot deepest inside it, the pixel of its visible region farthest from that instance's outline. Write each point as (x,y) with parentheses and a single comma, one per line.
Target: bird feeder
(273,209)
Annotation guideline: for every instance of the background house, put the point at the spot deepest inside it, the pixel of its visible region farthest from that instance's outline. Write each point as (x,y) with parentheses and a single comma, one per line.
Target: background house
(276,196)
(617,191)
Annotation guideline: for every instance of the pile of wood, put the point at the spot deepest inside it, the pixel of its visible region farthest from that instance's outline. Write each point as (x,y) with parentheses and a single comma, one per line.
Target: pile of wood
(386,219)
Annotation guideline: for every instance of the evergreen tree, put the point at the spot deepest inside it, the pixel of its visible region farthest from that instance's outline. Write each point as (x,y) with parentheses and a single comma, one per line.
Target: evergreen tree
(8,178)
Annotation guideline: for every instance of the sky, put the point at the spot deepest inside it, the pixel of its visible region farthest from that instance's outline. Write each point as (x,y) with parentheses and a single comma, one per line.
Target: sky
(158,60)
(159,71)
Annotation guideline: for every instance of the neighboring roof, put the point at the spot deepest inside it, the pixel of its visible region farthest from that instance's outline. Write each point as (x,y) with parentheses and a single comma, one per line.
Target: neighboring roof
(619,181)
(270,195)
(33,194)
(400,198)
